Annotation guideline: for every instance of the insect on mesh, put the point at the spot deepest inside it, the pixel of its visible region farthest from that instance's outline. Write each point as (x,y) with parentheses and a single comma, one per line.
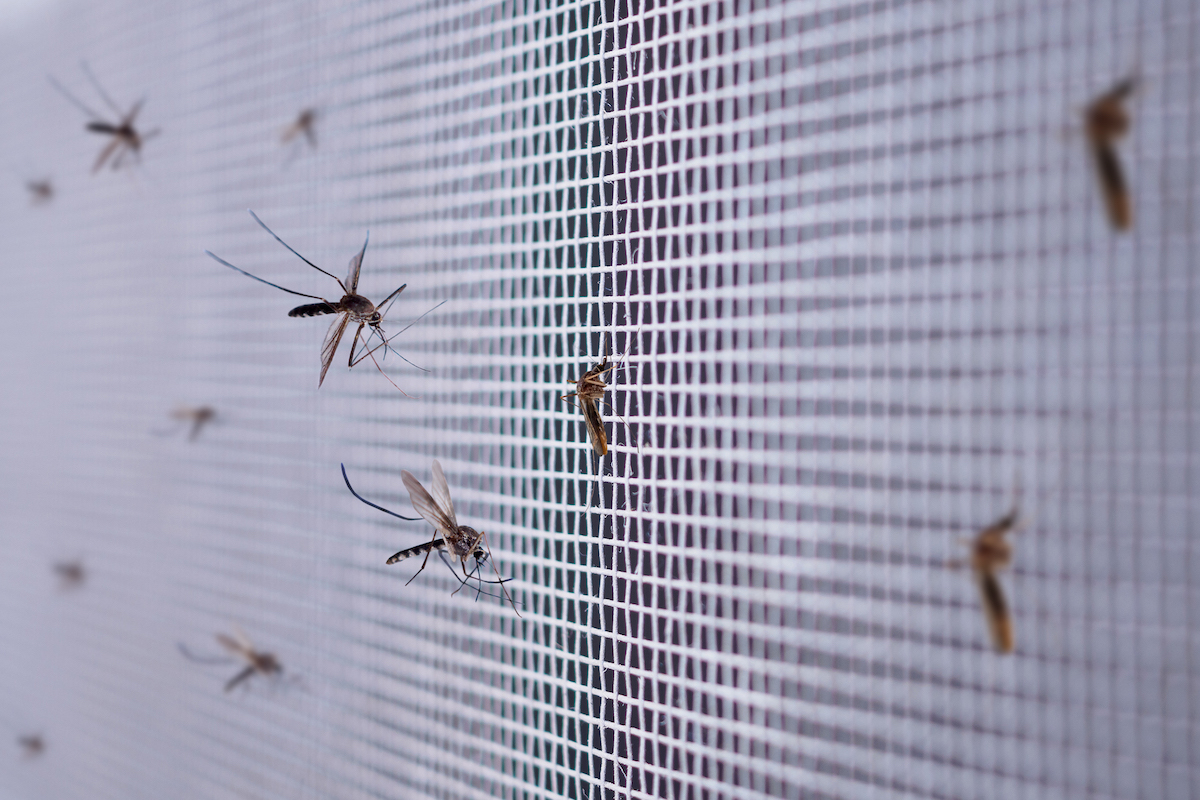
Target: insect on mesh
(852,264)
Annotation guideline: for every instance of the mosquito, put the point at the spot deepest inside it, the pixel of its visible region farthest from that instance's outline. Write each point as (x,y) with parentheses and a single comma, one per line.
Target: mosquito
(1106,121)
(478,553)
(353,307)
(125,137)
(198,417)
(590,389)
(71,574)
(991,552)
(40,192)
(32,746)
(239,646)
(302,125)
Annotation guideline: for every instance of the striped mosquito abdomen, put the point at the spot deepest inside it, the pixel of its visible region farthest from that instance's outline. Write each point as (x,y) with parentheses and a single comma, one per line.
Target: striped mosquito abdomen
(313,310)
(418,550)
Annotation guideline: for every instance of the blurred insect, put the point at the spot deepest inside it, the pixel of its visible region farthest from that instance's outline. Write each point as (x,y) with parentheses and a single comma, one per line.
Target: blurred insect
(459,541)
(353,307)
(32,746)
(71,574)
(198,417)
(40,192)
(125,137)
(1106,121)
(590,389)
(990,552)
(304,124)
(240,647)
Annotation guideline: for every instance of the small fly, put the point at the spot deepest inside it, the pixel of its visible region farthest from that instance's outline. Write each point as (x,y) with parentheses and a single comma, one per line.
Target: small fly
(1106,121)
(32,746)
(40,192)
(71,574)
(304,124)
(125,137)
(198,417)
(353,307)
(990,552)
(459,541)
(239,646)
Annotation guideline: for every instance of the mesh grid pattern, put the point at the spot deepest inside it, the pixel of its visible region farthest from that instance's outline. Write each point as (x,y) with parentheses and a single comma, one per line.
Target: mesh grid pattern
(853,264)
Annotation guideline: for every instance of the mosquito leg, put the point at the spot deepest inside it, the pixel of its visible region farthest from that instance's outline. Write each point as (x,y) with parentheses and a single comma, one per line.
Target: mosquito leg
(103,94)
(426,561)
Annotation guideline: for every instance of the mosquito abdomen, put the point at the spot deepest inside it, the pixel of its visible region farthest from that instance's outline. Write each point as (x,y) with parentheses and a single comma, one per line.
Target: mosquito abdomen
(313,310)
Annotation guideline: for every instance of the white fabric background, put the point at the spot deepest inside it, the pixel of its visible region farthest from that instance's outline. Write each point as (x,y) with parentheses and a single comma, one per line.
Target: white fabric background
(857,256)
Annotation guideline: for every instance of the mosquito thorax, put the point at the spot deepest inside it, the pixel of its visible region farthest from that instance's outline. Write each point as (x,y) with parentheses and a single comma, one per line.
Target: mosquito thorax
(358,307)
(464,542)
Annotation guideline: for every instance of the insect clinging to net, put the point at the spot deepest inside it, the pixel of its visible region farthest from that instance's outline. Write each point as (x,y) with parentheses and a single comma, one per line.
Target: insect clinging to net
(991,552)
(353,307)
(125,136)
(1106,121)
(590,389)
(459,542)
(239,646)
(304,124)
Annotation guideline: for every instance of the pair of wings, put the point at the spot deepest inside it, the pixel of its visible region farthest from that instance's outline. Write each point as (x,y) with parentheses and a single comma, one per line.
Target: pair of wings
(437,508)
(337,329)
(239,646)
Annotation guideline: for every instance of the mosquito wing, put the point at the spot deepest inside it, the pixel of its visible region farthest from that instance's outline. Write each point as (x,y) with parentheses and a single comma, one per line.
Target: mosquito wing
(131,117)
(1113,186)
(995,610)
(356,267)
(332,340)
(595,425)
(427,507)
(441,493)
(233,645)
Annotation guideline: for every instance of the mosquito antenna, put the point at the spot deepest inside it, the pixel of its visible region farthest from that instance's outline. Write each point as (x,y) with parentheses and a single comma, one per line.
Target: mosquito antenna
(75,100)
(372,505)
(297,255)
(88,71)
(220,260)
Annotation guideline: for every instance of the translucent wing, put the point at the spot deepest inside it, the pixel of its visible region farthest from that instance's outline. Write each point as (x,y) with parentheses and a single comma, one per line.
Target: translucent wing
(1113,186)
(995,610)
(441,493)
(332,339)
(131,117)
(426,507)
(595,425)
(232,645)
(356,267)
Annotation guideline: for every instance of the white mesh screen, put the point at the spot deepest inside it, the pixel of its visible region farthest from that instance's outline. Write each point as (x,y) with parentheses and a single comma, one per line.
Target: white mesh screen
(854,262)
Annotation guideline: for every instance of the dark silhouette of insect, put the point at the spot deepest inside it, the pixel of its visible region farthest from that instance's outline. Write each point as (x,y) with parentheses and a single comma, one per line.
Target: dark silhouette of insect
(33,745)
(459,542)
(71,574)
(1106,121)
(198,416)
(240,647)
(304,124)
(353,307)
(125,136)
(991,552)
(40,192)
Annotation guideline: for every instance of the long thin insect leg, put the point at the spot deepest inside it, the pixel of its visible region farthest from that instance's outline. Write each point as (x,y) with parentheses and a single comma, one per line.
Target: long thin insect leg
(423,563)
(406,327)
(220,260)
(462,583)
(372,505)
(503,588)
(354,343)
(297,255)
(92,77)
(75,100)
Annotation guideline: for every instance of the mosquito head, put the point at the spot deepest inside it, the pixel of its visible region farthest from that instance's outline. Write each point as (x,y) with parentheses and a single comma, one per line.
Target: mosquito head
(375,319)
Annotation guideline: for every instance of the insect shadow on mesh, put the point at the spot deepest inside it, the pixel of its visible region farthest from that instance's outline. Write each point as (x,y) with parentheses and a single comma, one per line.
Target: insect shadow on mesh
(990,552)
(353,307)
(125,138)
(1106,120)
(459,544)
(240,648)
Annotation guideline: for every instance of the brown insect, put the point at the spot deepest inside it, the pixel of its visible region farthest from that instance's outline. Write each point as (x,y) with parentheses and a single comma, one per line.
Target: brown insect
(256,662)
(32,746)
(125,137)
(40,192)
(1106,121)
(990,552)
(353,307)
(71,574)
(198,417)
(303,125)
(590,389)
(459,541)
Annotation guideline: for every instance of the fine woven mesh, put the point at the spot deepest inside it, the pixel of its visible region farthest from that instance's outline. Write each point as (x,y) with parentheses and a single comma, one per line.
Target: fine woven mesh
(853,268)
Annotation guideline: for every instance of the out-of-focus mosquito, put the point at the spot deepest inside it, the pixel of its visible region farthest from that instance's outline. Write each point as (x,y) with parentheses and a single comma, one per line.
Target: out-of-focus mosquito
(1106,121)
(32,746)
(198,416)
(40,192)
(991,552)
(304,124)
(353,307)
(71,574)
(459,541)
(239,646)
(125,137)
(590,389)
